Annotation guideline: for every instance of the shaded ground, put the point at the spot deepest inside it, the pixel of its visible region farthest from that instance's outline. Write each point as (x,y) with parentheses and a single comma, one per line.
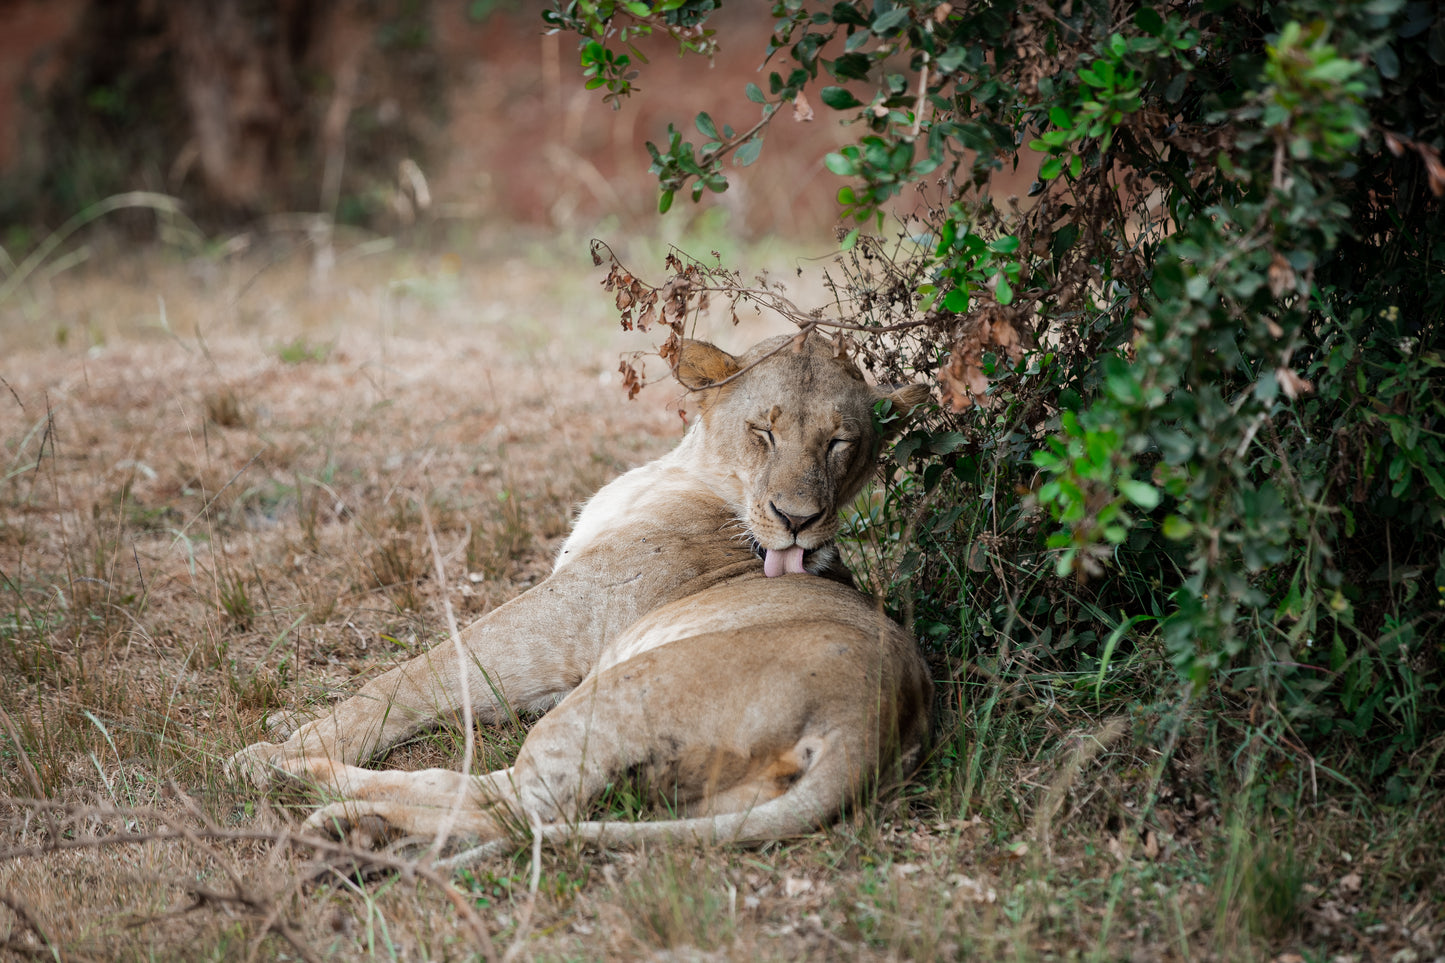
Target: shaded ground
(215,510)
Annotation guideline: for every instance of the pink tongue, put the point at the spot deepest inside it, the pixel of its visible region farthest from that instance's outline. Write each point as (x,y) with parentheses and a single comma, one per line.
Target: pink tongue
(786,561)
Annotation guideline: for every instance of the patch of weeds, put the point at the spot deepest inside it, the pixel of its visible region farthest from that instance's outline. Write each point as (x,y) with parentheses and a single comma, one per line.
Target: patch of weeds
(46,754)
(27,648)
(1258,880)
(225,409)
(427,292)
(679,900)
(259,505)
(629,798)
(502,538)
(491,889)
(300,351)
(320,598)
(236,602)
(211,650)
(262,687)
(397,565)
(310,495)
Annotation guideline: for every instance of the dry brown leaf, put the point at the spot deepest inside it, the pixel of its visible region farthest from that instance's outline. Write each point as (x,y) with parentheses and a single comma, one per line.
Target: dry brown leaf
(802,110)
(1292,384)
(962,378)
(1434,168)
(631,378)
(669,352)
(1281,276)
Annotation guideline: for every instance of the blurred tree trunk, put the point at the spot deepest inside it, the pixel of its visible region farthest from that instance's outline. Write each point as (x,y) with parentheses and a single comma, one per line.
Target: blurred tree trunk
(240,66)
(241,107)
(237,73)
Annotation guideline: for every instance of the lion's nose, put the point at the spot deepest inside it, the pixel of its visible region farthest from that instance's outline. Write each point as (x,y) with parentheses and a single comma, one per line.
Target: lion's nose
(795,521)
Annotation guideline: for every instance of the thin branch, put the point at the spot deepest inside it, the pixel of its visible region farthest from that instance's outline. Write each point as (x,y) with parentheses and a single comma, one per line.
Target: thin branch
(469,734)
(170,829)
(22,913)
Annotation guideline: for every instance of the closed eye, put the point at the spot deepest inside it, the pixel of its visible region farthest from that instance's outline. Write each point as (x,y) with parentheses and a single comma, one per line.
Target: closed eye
(765,433)
(839,445)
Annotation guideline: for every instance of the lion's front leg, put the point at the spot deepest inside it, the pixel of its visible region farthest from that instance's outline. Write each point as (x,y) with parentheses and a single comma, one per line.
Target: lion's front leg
(409,810)
(523,656)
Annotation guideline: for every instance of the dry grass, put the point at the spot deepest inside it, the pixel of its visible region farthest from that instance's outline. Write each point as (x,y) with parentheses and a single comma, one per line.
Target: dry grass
(202,533)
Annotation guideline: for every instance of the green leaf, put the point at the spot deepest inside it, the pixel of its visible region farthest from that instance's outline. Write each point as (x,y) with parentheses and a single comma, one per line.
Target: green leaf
(755,94)
(749,151)
(1176,87)
(848,15)
(1004,245)
(850,239)
(664,203)
(956,301)
(890,21)
(850,66)
(1143,494)
(706,127)
(840,165)
(1177,528)
(839,98)
(1051,168)
(1433,476)
(1387,62)
(1003,292)
(1148,20)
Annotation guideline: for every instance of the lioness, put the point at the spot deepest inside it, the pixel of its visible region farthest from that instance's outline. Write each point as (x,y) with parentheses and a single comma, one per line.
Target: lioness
(685,631)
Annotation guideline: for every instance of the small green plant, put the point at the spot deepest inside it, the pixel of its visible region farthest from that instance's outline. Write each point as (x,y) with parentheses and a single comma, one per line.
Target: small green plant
(301,351)
(680,901)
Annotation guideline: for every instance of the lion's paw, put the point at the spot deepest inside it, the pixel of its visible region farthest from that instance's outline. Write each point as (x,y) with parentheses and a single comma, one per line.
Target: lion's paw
(261,764)
(359,824)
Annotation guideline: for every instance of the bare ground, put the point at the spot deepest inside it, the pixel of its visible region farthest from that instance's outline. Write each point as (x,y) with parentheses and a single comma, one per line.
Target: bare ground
(219,478)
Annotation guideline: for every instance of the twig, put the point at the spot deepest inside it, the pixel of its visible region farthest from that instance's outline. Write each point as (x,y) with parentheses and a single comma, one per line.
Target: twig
(807,322)
(33,925)
(922,88)
(139,574)
(206,507)
(524,923)
(26,766)
(170,829)
(469,734)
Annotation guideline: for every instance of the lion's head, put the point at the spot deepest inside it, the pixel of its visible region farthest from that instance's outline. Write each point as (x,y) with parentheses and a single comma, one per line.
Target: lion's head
(787,429)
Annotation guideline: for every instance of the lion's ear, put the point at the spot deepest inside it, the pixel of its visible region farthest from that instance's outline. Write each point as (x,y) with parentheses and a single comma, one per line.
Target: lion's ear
(700,364)
(905,401)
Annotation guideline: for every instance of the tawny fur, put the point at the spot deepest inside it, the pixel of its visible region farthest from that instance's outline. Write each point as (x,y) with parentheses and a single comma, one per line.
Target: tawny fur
(756,707)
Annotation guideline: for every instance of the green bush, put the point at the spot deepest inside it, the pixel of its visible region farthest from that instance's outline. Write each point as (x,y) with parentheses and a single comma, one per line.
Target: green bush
(1194,384)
